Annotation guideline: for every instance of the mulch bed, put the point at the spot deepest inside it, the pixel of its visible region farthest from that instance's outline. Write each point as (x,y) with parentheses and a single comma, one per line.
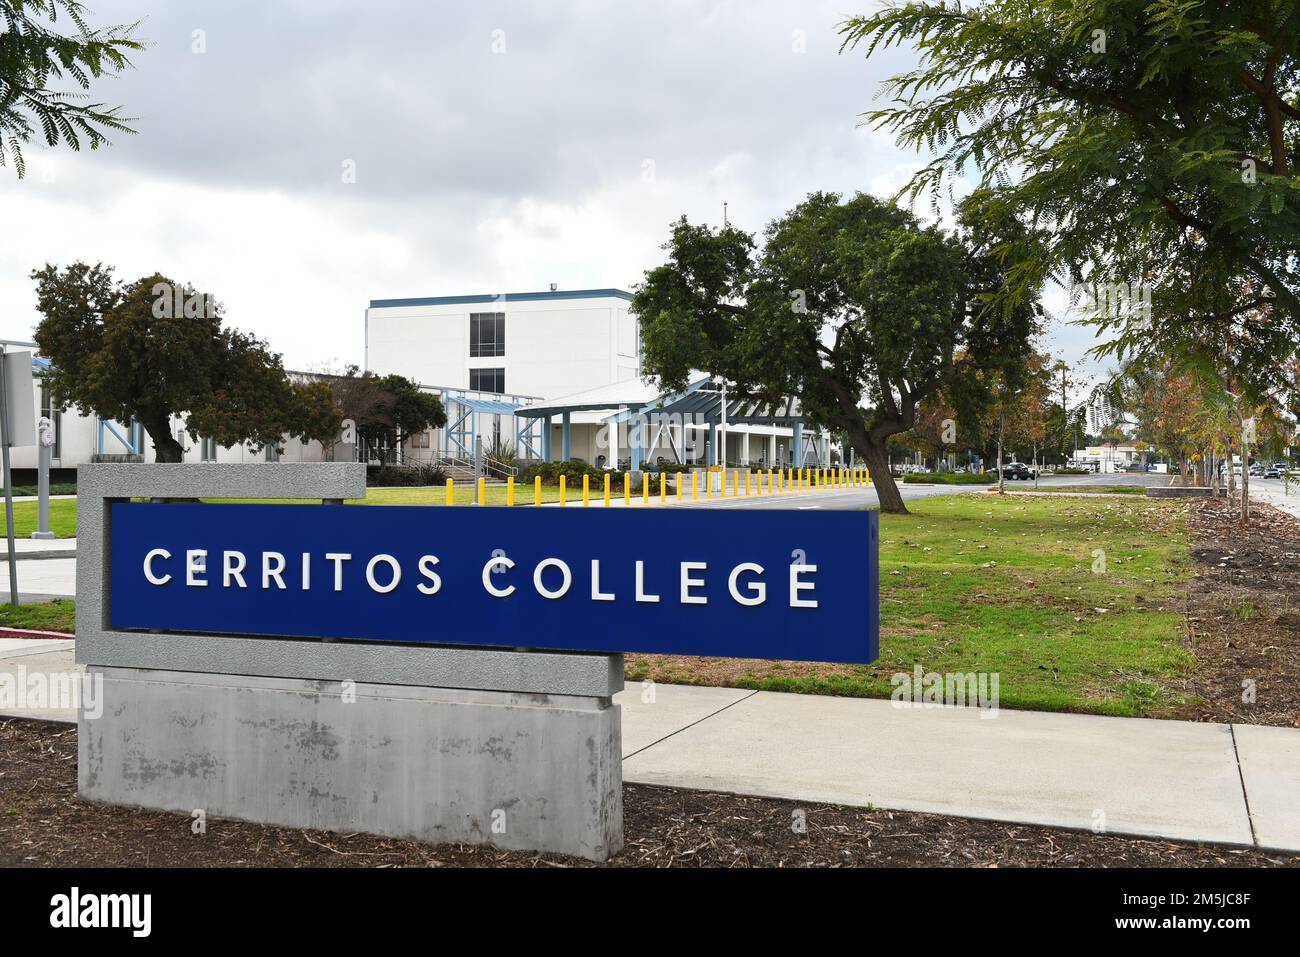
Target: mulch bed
(1243,614)
(43,823)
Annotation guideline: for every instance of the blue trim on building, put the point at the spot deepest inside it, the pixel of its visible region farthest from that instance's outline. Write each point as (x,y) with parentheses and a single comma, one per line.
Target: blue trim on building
(560,294)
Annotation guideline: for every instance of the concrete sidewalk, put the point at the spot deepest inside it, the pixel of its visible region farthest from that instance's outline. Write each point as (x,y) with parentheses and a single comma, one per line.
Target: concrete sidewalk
(1232,784)
(37,548)
(1235,784)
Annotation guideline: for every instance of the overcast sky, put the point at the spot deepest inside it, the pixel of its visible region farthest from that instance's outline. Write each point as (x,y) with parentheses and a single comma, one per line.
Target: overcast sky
(495,146)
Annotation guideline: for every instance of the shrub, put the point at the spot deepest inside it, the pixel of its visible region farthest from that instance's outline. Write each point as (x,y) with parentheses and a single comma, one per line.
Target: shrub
(405,476)
(573,471)
(948,478)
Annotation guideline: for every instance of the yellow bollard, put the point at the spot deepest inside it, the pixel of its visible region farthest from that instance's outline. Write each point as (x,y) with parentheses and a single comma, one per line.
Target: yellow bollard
(607,490)
(563,489)
(451,491)
(769,481)
(708,483)
(747,482)
(510,491)
(481,498)
(695,486)
(677,484)
(645,488)
(537,490)
(735,484)
(663,487)
(627,488)
(586,491)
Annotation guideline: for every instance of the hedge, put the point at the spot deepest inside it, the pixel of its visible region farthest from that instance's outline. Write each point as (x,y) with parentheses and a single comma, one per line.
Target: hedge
(947,478)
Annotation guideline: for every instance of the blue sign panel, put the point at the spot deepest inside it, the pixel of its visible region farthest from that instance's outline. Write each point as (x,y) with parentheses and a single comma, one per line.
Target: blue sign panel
(798,585)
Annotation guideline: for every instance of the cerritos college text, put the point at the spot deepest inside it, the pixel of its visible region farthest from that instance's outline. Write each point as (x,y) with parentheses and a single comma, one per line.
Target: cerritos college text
(383,574)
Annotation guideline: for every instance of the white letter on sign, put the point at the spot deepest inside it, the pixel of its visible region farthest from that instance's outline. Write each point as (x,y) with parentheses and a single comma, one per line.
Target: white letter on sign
(542,590)
(273,567)
(797,586)
(426,569)
(688,583)
(757,590)
(492,563)
(148,566)
(338,558)
(596,593)
(196,563)
(640,585)
(233,568)
(391,562)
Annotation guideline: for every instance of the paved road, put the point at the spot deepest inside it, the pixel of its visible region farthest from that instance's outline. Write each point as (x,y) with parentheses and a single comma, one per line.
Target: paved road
(866,498)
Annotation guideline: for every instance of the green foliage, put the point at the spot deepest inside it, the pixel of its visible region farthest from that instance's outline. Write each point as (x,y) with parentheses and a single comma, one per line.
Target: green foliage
(123,351)
(405,476)
(573,471)
(385,410)
(946,478)
(33,54)
(499,450)
(853,307)
(1156,140)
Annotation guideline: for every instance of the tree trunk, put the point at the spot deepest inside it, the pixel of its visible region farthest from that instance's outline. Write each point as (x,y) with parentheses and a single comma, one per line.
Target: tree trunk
(877,461)
(1245,471)
(165,446)
(1001,475)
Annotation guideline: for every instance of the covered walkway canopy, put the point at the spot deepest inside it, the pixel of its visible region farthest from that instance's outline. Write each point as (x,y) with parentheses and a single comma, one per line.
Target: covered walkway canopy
(649,413)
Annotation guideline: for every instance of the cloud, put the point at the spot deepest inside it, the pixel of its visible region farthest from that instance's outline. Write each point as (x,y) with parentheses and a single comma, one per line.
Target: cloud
(494,146)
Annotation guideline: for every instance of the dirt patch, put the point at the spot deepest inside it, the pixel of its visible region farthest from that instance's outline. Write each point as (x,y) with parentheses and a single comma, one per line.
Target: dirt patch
(1243,615)
(43,823)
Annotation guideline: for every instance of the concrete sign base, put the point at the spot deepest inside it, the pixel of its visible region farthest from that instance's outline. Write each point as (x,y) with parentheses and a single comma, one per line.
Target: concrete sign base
(518,771)
(515,749)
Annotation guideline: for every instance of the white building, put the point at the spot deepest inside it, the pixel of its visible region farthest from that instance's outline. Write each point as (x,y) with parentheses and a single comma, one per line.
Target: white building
(531,343)
(548,375)
(1109,457)
(556,375)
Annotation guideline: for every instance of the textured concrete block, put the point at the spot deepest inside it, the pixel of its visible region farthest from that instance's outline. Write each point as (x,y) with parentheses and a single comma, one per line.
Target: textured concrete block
(515,771)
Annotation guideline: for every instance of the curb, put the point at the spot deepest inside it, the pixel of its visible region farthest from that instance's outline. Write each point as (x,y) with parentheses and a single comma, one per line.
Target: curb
(32,633)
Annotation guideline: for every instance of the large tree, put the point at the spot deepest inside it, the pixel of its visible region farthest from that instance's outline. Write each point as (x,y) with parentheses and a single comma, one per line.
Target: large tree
(34,54)
(1156,140)
(853,307)
(154,350)
(385,410)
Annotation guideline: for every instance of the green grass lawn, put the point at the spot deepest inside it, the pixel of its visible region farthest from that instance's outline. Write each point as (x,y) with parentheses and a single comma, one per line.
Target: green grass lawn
(976,583)
(50,616)
(986,584)
(1076,489)
(63,518)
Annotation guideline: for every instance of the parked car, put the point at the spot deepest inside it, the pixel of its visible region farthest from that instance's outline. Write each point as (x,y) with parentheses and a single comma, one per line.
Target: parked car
(1019,470)
(1272,472)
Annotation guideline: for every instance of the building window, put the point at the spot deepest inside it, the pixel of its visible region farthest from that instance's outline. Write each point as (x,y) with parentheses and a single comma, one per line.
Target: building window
(207,449)
(419,440)
(487,380)
(487,334)
(272,453)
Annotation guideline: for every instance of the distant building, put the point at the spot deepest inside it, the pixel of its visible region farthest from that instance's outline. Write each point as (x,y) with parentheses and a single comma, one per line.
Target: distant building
(556,375)
(1109,457)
